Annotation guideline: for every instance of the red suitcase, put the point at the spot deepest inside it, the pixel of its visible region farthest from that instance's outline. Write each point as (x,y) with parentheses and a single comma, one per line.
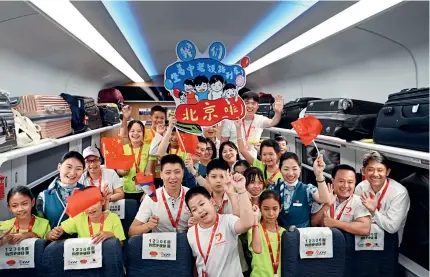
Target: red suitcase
(50,112)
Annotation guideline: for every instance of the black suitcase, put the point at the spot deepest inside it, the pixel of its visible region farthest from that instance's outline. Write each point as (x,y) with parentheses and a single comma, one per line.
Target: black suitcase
(265,105)
(92,112)
(7,124)
(333,113)
(404,120)
(292,110)
(109,114)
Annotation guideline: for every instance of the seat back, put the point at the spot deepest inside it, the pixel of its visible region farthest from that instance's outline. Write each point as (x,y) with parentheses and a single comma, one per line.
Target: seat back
(292,265)
(372,263)
(131,208)
(40,246)
(112,266)
(137,267)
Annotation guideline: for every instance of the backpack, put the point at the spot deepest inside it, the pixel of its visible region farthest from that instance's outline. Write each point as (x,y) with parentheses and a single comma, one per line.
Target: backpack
(77,106)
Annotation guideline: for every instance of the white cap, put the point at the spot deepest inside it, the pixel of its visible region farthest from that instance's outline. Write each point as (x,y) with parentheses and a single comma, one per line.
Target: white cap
(91,151)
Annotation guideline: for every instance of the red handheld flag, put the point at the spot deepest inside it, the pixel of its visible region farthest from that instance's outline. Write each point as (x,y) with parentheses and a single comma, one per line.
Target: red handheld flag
(113,152)
(308,128)
(81,200)
(187,142)
(146,183)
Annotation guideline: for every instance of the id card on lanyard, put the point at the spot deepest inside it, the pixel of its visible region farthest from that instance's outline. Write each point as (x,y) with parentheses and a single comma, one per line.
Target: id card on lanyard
(205,258)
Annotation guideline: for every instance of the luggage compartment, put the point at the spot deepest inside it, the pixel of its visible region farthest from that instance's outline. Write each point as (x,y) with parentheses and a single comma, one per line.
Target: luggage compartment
(7,124)
(109,114)
(404,120)
(50,112)
(334,112)
(292,110)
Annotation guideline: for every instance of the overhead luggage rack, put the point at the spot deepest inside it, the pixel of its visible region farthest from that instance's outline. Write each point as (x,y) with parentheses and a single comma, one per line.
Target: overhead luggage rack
(414,157)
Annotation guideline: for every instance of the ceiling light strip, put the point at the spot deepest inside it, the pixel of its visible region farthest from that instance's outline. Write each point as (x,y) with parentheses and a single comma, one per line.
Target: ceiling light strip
(65,14)
(351,16)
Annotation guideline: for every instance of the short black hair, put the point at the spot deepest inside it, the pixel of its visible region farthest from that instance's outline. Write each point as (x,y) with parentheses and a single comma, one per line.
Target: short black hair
(270,143)
(202,139)
(287,156)
(241,163)
(171,159)
(189,82)
(21,190)
(217,164)
(281,138)
(75,155)
(341,167)
(199,80)
(375,156)
(199,190)
(250,95)
(158,108)
(216,78)
(229,86)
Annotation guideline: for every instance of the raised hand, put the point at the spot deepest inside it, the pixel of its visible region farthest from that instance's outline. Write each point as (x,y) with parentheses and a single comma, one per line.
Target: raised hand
(189,164)
(332,198)
(238,123)
(369,201)
(160,128)
(126,112)
(256,212)
(172,120)
(319,166)
(228,187)
(107,192)
(278,106)
(238,182)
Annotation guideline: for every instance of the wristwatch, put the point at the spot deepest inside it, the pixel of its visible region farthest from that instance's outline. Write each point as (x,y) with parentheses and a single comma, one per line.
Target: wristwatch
(196,175)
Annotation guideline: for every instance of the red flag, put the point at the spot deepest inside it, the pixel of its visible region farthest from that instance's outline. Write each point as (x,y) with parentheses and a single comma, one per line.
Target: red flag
(146,183)
(308,128)
(81,200)
(113,152)
(187,142)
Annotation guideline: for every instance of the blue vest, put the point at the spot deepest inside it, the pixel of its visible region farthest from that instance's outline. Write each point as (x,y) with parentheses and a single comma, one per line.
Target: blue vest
(299,212)
(203,95)
(54,206)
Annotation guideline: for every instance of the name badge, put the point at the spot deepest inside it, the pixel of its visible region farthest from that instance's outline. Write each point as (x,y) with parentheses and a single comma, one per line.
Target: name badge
(81,253)
(18,255)
(316,242)
(375,241)
(118,207)
(159,246)
(297,204)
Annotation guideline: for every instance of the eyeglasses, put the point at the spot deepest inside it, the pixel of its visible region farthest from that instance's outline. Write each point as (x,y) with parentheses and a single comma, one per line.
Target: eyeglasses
(209,149)
(92,161)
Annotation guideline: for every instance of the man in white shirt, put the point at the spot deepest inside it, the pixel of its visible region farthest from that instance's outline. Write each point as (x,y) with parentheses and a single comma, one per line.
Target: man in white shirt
(387,200)
(253,124)
(345,210)
(169,213)
(213,239)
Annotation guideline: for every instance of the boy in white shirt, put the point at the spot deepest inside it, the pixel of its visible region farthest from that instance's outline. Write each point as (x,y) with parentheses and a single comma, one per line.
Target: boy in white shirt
(213,239)
(253,124)
(345,210)
(169,213)
(387,200)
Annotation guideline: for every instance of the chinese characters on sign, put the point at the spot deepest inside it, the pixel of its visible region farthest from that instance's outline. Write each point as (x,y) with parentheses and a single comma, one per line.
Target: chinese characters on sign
(81,253)
(375,241)
(118,207)
(316,242)
(159,246)
(18,256)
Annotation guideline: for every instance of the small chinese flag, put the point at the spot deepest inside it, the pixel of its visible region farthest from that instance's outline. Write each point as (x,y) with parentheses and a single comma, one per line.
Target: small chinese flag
(113,152)
(187,142)
(146,183)
(308,128)
(81,200)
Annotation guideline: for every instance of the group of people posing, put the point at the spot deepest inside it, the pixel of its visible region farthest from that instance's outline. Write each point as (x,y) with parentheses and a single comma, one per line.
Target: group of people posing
(248,193)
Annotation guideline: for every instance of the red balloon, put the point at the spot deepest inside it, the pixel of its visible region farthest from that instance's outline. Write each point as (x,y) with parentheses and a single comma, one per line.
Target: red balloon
(244,62)
(176,92)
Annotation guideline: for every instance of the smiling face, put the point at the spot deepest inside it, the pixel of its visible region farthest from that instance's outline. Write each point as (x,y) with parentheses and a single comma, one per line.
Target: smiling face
(230,93)
(217,179)
(188,88)
(282,146)
(202,88)
(217,86)
(208,153)
(158,118)
(251,106)
(136,133)
(255,187)
(172,175)
(95,210)
(269,156)
(270,210)
(70,171)
(202,209)
(92,164)
(174,140)
(344,183)
(229,154)
(290,170)
(209,132)
(376,173)
(20,205)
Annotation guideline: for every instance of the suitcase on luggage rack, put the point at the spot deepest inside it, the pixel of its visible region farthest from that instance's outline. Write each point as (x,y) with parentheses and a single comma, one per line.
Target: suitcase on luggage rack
(94,120)
(334,112)
(404,120)
(7,124)
(50,112)
(292,110)
(109,114)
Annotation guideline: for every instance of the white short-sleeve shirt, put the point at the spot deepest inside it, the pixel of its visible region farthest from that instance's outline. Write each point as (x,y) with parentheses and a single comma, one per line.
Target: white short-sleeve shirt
(394,206)
(150,208)
(229,131)
(109,178)
(354,209)
(223,259)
